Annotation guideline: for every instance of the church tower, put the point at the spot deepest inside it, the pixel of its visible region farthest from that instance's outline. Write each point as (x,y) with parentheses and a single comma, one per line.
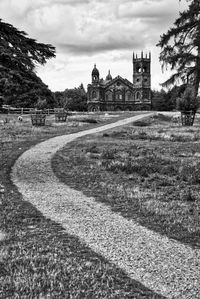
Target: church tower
(95,75)
(142,77)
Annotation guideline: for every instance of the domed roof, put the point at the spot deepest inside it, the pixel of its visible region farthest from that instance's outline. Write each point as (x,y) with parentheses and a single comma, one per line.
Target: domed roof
(108,77)
(95,71)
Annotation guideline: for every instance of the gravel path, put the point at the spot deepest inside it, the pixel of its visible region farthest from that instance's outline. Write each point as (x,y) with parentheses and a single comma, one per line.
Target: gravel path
(163,265)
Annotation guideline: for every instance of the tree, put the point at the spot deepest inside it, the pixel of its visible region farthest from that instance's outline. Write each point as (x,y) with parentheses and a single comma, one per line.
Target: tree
(19,55)
(163,100)
(188,101)
(59,99)
(76,99)
(180,47)
(25,90)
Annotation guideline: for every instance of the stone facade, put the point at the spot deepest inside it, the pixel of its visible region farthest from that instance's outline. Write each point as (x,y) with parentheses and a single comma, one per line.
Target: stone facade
(119,93)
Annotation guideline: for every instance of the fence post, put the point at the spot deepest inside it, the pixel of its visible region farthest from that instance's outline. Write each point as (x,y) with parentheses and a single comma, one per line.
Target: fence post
(22,111)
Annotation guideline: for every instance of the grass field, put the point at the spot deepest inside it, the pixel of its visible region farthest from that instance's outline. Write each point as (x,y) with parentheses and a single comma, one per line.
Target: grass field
(148,171)
(38,259)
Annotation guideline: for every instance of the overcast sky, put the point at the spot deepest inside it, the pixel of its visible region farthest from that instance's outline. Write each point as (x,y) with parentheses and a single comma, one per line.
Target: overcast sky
(84,32)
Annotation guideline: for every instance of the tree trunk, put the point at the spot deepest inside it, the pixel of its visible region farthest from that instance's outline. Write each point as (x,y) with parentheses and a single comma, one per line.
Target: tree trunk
(197,72)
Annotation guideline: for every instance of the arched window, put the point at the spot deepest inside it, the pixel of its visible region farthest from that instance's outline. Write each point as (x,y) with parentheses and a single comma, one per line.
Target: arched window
(138,68)
(144,69)
(129,95)
(94,94)
(118,96)
(138,96)
(108,95)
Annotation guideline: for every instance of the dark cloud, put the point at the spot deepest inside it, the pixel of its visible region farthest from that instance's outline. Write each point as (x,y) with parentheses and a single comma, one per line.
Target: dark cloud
(88,48)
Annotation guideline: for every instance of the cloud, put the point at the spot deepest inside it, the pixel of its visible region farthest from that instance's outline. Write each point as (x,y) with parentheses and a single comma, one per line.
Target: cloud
(99,47)
(104,31)
(91,26)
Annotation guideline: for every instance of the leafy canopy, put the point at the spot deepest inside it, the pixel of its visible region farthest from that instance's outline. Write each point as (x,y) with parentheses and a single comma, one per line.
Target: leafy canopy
(74,99)
(19,55)
(188,101)
(19,52)
(180,47)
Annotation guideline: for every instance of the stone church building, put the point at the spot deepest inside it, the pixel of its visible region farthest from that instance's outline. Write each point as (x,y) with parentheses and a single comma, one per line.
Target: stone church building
(119,93)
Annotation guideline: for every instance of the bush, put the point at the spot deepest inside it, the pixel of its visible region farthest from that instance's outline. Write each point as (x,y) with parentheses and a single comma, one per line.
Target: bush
(141,123)
(188,101)
(41,104)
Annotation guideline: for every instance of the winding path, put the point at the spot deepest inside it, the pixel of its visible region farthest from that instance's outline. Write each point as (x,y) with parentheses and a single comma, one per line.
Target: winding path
(163,265)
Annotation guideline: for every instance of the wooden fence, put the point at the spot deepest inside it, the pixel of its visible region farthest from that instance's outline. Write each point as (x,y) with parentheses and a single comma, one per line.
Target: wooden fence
(22,111)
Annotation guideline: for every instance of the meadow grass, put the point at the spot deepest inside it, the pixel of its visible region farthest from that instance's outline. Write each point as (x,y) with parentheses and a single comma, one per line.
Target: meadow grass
(38,259)
(148,171)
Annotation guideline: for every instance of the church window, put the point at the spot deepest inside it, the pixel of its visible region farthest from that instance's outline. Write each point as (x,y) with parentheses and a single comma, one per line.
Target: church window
(94,94)
(128,96)
(144,69)
(118,96)
(138,69)
(108,95)
(138,95)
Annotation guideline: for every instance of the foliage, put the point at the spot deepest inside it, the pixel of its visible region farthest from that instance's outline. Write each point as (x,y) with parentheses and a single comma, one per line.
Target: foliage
(74,99)
(180,47)
(142,123)
(41,104)
(24,91)
(88,120)
(188,101)
(162,100)
(19,55)
(59,99)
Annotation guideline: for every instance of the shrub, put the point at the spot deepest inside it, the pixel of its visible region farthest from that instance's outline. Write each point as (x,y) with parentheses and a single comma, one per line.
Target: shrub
(106,135)
(89,120)
(188,101)
(141,123)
